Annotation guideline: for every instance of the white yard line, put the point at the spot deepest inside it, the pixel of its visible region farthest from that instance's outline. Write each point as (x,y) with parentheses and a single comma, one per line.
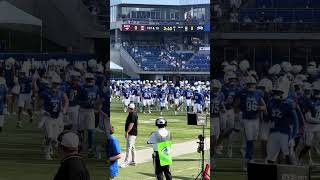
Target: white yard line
(179,149)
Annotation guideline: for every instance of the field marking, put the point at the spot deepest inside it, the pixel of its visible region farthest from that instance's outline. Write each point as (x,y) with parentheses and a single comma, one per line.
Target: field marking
(179,171)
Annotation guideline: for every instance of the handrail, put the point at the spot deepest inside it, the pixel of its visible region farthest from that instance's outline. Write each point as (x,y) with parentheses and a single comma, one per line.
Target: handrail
(270,27)
(151,21)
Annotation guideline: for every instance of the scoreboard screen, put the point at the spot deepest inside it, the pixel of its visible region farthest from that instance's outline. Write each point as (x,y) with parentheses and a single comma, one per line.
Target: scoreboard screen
(165,28)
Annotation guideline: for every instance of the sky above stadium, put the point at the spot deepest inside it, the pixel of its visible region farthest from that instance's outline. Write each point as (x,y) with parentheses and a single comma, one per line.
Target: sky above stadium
(162,2)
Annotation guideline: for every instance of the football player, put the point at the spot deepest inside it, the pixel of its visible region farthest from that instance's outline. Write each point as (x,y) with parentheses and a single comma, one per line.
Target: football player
(283,115)
(24,99)
(250,102)
(89,100)
(54,103)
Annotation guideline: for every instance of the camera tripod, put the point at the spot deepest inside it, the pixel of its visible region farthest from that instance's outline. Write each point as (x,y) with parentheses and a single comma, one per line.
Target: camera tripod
(201,138)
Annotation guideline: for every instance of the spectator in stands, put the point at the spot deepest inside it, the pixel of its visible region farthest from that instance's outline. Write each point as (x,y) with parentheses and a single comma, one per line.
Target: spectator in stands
(247,20)
(94,11)
(235,4)
(278,19)
(217,10)
(234,17)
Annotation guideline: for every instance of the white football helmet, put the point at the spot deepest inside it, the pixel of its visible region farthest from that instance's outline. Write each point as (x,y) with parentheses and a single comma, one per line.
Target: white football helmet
(316,88)
(216,84)
(296,69)
(266,83)
(92,63)
(275,69)
(312,70)
(282,85)
(250,80)
(286,66)
(244,65)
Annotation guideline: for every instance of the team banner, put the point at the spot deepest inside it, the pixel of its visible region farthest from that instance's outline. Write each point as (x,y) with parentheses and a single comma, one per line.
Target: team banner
(165,153)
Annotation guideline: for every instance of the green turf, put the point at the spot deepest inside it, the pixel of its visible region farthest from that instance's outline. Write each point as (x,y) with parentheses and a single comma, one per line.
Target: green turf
(22,158)
(184,167)
(180,131)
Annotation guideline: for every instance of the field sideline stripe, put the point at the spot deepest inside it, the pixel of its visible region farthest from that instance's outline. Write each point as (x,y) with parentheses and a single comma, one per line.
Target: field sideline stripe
(179,171)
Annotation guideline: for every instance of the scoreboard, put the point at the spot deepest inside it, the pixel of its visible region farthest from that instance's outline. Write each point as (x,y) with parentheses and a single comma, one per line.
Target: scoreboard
(165,28)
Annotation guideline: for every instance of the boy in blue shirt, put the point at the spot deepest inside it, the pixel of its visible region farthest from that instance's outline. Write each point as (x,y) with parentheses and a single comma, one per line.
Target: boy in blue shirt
(114,153)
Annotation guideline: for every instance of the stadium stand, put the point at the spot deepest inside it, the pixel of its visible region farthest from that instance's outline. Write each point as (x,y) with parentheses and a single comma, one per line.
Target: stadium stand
(267,15)
(162,59)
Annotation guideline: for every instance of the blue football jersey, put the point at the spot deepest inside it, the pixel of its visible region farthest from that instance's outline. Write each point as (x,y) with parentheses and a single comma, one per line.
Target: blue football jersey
(52,102)
(229,93)
(282,115)
(217,102)
(3,94)
(154,92)
(88,96)
(72,93)
(105,94)
(126,94)
(249,102)
(146,94)
(162,96)
(177,93)
(25,85)
(8,75)
(313,104)
(100,79)
(188,94)
(198,98)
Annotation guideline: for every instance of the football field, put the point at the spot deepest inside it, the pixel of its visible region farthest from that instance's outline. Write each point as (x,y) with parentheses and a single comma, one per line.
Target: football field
(184,167)
(177,125)
(231,168)
(22,157)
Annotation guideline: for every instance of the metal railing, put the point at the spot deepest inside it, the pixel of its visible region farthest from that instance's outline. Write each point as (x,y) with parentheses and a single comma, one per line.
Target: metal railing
(162,21)
(256,27)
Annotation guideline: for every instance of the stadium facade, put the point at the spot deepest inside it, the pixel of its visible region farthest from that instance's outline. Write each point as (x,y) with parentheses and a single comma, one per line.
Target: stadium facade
(161,39)
(265,32)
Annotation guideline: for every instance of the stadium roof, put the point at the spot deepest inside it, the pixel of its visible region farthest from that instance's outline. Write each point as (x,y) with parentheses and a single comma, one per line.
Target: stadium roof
(162,2)
(10,14)
(115,67)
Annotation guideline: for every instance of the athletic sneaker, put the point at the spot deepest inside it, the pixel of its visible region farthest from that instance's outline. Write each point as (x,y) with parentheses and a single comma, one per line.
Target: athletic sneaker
(19,124)
(124,165)
(132,163)
(242,153)
(316,149)
(90,153)
(48,157)
(219,150)
(311,163)
(245,165)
